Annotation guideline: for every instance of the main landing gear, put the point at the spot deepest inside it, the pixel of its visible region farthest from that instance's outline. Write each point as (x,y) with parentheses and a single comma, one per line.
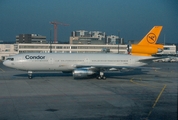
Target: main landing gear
(30,74)
(101,76)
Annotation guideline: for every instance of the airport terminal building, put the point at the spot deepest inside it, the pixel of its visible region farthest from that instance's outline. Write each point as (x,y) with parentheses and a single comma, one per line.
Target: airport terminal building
(31,38)
(12,49)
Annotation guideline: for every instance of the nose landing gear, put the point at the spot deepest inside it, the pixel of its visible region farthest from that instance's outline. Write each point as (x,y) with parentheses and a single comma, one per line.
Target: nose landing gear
(30,74)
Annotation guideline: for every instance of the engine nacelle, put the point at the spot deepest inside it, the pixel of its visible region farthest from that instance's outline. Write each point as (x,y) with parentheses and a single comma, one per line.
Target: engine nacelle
(143,49)
(83,73)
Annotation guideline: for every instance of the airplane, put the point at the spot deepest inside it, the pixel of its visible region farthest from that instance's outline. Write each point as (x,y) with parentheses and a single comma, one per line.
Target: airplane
(83,65)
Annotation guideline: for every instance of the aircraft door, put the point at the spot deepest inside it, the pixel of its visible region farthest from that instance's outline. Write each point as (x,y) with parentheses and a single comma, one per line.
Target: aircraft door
(51,60)
(86,60)
(19,62)
(130,61)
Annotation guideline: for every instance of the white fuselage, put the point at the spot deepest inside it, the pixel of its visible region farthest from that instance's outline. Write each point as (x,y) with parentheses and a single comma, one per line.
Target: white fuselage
(69,61)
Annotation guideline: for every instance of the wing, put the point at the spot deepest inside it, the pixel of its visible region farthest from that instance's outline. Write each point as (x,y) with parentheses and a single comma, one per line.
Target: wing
(106,67)
(148,60)
(116,67)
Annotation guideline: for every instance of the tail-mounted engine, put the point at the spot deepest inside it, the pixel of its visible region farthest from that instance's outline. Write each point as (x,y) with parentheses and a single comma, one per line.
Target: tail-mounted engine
(144,49)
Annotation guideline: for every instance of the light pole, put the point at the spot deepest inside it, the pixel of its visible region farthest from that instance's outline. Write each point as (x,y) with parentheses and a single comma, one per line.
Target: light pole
(118,39)
(50,47)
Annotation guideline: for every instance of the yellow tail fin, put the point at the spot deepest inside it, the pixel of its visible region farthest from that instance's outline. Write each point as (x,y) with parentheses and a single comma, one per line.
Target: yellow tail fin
(147,46)
(152,36)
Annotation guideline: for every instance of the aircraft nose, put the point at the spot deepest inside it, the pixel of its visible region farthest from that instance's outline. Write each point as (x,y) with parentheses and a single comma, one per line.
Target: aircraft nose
(6,63)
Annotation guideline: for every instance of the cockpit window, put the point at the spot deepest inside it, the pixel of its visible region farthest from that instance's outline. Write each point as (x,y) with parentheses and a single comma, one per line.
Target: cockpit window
(11,59)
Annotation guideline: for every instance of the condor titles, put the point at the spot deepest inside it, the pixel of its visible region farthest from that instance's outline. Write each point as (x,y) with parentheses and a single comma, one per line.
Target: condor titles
(34,57)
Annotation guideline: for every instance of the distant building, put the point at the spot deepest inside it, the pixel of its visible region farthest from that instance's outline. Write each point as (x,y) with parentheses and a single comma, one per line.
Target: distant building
(168,50)
(85,37)
(114,40)
(7,50)
(31,38)
(12,49)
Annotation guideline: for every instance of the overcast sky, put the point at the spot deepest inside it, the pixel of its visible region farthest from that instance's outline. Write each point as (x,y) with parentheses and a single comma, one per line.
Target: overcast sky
(133,18)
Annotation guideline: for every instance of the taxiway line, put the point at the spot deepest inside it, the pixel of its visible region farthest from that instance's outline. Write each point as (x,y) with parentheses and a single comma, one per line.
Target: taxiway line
(2,70)
(159,96)
(131,80)
(157,99)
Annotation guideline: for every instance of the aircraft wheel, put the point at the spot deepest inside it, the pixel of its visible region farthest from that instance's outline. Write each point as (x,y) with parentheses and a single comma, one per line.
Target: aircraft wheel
(104,78)
(99,77)
(29,77)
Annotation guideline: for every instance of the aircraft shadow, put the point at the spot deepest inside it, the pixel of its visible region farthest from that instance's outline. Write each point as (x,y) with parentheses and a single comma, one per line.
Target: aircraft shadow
(45,75)
(109,74)
(126,73)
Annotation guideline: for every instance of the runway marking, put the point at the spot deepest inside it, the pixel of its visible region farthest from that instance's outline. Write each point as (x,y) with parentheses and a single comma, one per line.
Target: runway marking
(157,99)
(2,70)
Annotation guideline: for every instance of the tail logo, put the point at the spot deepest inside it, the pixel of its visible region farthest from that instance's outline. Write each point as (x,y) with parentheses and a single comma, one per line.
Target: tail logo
(151,38)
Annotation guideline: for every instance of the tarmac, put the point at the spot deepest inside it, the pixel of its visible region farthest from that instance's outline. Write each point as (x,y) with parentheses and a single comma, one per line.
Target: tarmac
(132,95)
